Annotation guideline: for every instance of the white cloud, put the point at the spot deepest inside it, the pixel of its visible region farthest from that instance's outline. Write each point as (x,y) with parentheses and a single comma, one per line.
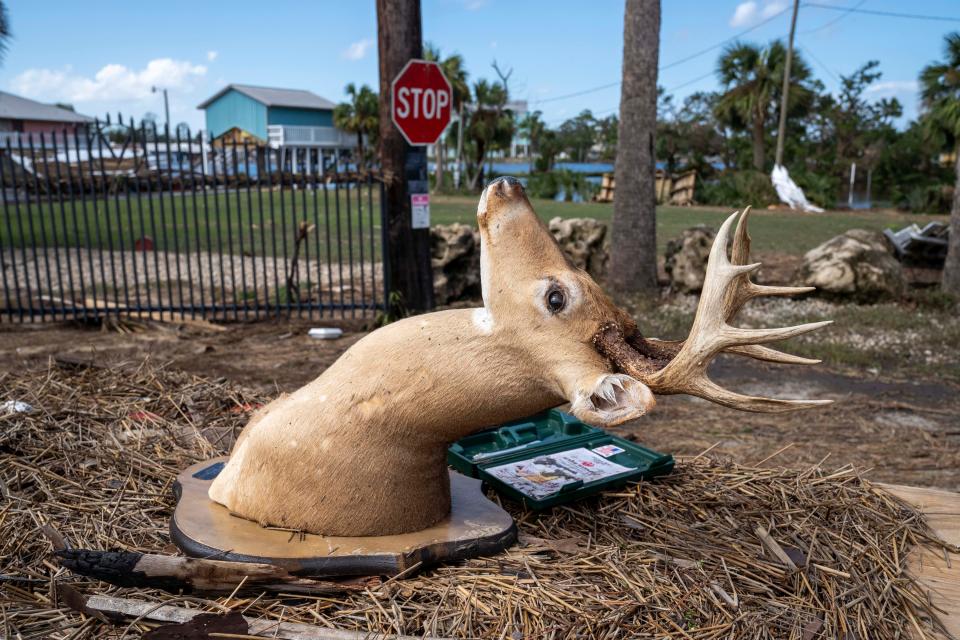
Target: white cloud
(745,13)
(112,83)
(890,88)
(212,55)
(358,50)
(774,7)
(750,12)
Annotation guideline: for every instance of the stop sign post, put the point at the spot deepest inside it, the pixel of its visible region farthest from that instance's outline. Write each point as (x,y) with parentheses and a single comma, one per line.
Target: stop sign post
(421,103)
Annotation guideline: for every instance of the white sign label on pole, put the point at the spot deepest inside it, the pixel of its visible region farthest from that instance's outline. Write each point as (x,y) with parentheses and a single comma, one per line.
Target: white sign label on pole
(420,210)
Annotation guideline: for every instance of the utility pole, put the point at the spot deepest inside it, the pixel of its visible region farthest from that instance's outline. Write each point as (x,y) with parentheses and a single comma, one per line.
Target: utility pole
(166,106)
(404,167)
(782,132)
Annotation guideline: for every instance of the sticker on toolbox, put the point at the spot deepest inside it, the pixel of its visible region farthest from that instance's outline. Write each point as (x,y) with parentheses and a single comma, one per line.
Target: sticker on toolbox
(546,474)
(608,450)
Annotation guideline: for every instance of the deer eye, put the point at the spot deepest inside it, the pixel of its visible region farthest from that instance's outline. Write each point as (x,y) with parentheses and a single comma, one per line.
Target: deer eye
(556,300)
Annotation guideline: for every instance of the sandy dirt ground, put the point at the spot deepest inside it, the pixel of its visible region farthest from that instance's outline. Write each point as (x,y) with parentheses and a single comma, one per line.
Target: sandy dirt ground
(897,429)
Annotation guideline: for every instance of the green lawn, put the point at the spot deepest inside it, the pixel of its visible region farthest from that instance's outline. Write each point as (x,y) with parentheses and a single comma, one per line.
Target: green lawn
(254,223)
(779,231)
(234,220)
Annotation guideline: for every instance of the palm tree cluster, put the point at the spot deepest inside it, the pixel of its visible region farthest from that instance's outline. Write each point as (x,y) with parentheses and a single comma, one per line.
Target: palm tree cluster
(940,91)
(360,115)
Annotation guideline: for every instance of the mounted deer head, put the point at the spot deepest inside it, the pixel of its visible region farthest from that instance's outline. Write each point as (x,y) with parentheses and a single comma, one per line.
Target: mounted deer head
(361,450)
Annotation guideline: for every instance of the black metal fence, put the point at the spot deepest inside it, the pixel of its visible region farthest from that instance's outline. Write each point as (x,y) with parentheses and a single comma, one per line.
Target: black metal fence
(120,219)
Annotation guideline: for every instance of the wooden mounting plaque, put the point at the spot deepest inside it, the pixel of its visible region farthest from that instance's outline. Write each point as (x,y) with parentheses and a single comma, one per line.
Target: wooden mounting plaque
(202,528)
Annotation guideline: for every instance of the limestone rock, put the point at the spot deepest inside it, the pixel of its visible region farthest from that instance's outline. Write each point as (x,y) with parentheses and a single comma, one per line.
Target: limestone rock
(455,258)
(856,264)
(585,241)
(686,258)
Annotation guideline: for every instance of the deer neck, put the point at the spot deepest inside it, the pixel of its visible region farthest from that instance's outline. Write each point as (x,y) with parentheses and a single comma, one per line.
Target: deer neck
(444,375)
(362,449)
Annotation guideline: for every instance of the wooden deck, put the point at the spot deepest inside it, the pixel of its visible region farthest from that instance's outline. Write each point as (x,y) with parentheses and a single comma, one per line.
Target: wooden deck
(938,574)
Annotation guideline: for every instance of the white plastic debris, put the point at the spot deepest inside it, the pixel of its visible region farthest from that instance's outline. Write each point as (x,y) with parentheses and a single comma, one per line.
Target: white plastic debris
(789,192)
(15,406)
(325,333)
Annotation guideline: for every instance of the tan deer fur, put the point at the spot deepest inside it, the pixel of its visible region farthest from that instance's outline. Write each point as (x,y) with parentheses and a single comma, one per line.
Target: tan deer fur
(361,450)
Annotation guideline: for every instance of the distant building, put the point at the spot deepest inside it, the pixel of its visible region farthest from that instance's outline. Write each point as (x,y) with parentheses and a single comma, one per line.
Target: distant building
(297,122)
(520,145)
(21,116)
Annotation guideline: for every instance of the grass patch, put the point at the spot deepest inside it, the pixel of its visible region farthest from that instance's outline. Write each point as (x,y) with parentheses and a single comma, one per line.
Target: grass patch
(250,223)
(917,338)
(265,222)
(772,231)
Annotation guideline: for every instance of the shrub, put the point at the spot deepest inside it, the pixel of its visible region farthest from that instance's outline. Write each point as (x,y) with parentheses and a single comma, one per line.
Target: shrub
(737,188)
(543,185)
(820,189)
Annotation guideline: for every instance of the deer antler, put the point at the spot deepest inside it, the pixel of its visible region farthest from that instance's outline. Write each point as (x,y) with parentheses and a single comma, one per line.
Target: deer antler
(681,367)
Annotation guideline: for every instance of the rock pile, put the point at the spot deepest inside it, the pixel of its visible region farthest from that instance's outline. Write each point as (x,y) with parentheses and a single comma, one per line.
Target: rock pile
(857,264)
(585,241)
(455,257)
(686,259)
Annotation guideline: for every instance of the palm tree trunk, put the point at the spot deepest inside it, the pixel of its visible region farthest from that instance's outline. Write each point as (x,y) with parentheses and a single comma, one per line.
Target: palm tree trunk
(360,162)
(438,150)
(633,246)
(758,151)
(457,168)
(481,161)
(951,270)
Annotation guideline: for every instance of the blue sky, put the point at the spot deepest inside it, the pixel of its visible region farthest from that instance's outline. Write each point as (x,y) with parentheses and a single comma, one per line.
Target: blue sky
(107,54)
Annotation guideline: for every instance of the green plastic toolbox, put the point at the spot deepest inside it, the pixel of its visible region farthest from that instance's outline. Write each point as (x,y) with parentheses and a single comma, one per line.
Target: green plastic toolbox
(552,458)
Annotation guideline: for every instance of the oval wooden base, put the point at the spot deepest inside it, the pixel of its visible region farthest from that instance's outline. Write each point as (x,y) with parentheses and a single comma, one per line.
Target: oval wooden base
(202,528)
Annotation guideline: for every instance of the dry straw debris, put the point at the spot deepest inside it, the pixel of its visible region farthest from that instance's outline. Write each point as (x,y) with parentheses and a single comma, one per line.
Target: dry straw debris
(716,550)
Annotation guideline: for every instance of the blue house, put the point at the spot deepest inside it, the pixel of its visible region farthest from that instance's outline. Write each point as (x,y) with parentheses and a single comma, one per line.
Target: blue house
(297,122)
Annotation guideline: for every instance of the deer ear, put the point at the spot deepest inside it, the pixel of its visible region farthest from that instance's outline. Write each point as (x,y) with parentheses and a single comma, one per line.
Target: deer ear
(611,399)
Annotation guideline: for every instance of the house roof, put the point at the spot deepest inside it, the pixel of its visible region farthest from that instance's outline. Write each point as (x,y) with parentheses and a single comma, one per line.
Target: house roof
(273,97)
(16,108)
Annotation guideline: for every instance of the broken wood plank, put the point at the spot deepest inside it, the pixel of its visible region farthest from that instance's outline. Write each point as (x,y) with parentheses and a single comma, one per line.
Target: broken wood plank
(127,607)
(937,572)
(177,573)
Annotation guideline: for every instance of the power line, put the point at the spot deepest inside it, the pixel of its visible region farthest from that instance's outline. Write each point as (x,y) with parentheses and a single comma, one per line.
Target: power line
(578,93)
(823,66)
(671,64)
(846,13)
(888,14)
(609,110)
(688,82)
(727,41)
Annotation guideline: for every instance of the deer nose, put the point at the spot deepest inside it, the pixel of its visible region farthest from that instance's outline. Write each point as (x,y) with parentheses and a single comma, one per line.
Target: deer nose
(506,187)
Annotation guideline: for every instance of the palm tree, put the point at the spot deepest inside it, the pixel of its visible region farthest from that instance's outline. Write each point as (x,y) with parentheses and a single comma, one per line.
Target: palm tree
(633,241)
(490,125)
(532,127)
(753,79)
(940,91)
(4,28)
(360,115)
(456,75)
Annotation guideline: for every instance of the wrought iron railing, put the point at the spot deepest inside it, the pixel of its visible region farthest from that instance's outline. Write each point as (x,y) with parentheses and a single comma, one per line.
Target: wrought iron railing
(129,220)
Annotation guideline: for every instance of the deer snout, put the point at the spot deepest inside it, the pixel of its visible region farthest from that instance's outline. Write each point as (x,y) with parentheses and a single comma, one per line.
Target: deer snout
(500,193)
(505,186)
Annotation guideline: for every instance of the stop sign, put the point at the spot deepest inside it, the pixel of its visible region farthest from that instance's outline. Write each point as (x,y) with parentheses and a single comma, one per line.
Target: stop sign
(421,102)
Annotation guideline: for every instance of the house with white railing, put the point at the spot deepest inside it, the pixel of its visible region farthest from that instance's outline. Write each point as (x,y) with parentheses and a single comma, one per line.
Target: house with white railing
(298,123)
